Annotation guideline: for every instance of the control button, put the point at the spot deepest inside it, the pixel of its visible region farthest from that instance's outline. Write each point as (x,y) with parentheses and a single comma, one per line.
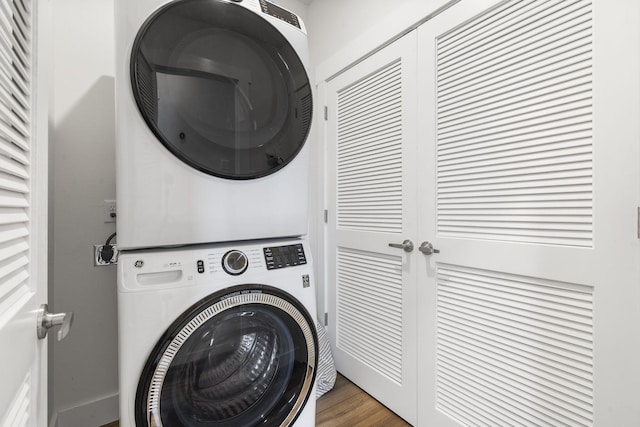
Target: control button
(200,265)
(235,262)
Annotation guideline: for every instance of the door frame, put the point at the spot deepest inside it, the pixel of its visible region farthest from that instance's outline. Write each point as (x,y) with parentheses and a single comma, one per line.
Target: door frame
(41,234)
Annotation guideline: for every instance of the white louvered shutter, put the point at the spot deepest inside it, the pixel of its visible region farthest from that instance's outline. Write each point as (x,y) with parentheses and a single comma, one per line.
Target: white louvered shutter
(371,151)
(23,205)
(532,182)
(515,125)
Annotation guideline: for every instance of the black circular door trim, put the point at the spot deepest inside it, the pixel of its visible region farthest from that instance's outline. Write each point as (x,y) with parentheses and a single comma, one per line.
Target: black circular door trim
(149,388)
(274,144)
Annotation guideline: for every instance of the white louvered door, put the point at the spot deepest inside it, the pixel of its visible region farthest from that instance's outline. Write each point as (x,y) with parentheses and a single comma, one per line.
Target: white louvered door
(371,201)
(530,144)
(23,215)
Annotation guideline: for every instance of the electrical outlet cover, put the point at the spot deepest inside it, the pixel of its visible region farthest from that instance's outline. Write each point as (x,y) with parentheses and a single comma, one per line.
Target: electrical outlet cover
(109,211)
(97,259)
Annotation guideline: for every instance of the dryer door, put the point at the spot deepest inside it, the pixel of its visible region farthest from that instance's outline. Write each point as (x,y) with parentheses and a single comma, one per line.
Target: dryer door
(221,88)
(242,357)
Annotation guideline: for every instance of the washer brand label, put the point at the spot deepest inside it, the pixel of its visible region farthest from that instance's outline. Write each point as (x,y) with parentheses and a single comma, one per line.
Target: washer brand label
(139,263)
(235,294)
(231,295)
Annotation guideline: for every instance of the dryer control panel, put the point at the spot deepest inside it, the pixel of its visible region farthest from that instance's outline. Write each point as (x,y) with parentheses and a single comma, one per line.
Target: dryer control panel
(280,13)
(284,256)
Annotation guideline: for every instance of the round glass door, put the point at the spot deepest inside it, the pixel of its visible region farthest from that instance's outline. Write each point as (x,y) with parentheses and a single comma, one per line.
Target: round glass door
(221,88)
(246,358)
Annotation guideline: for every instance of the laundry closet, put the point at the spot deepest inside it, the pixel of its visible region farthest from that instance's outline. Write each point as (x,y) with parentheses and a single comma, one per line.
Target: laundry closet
(473,186)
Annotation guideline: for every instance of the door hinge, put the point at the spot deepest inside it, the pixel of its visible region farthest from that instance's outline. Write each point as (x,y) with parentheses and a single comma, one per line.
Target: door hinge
(326,112)
(326,319)
(326,216)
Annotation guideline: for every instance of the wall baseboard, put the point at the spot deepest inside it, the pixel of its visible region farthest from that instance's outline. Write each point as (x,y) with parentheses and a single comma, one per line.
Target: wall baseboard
(91,414)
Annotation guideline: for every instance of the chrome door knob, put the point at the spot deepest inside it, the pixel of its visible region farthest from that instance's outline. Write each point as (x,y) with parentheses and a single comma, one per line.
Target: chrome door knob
(48,320)
(428,249)
(406,246)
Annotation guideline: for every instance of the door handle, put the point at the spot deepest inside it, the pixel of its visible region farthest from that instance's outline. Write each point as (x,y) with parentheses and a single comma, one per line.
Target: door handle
(48,320)
(406,246)
(428,249)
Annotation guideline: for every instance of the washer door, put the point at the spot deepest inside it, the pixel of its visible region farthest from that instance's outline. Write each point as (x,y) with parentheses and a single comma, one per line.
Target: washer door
(242,357)
(221,88)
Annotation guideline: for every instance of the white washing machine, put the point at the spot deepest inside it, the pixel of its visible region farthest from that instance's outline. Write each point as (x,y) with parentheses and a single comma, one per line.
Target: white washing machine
(218,336)
(213,109)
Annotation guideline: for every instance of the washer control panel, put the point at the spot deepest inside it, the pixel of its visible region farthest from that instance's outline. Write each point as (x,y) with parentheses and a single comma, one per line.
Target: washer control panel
(235,262)
(248,259)
(284,256)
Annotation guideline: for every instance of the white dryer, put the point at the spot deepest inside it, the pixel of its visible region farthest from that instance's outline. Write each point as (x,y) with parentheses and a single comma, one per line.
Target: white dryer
(213,109)
(218,336)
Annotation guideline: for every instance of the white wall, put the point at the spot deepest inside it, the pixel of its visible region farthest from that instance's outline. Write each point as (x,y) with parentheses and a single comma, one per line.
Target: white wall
(333,24)
(84,366)
(347,29)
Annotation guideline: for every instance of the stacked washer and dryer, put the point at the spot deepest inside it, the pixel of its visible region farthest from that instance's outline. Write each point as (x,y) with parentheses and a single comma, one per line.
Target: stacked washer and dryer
(216,296)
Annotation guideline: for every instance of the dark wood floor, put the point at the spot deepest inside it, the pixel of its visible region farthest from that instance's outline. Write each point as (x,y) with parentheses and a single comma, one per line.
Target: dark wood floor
(348,406)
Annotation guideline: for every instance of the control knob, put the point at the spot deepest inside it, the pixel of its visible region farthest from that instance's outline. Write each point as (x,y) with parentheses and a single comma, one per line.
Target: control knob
(235,262)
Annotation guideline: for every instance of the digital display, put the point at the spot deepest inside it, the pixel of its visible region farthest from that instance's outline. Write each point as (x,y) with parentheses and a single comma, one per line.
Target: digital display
(280,13)
(284,256)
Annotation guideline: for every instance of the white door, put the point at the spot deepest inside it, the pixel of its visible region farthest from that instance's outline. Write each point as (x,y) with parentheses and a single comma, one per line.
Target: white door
(371,203)
(23,214)
(529,145)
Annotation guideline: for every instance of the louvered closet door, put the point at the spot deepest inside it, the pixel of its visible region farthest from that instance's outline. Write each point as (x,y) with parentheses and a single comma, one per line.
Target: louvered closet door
(23,216)
(529,135)
(371,199)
